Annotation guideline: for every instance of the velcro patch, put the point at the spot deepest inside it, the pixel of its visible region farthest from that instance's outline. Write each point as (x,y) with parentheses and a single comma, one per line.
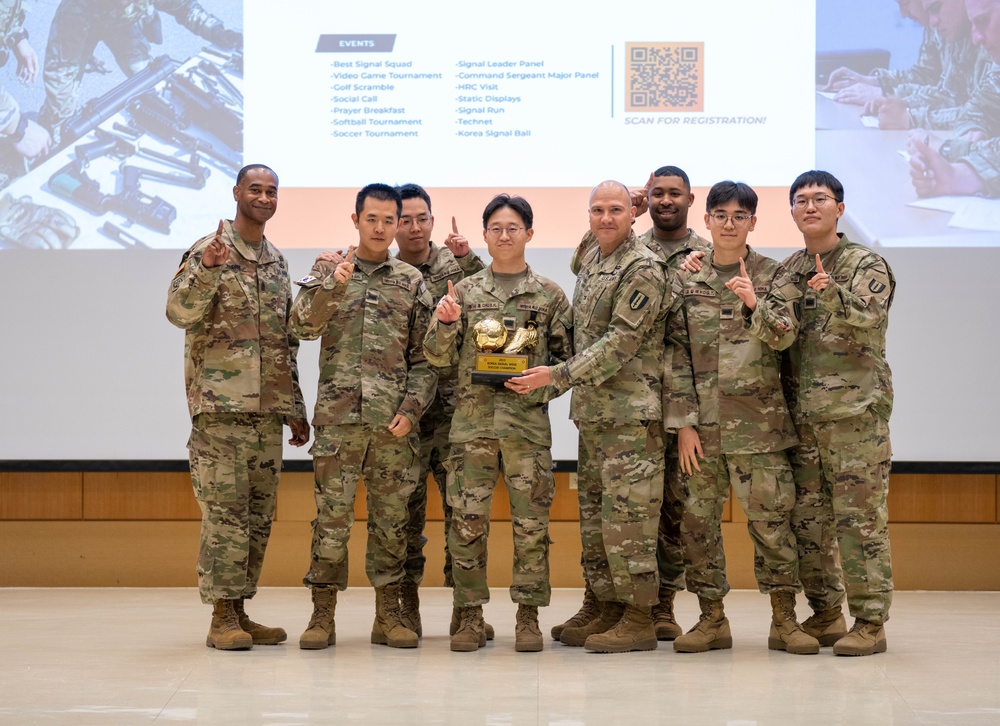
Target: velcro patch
(638,300)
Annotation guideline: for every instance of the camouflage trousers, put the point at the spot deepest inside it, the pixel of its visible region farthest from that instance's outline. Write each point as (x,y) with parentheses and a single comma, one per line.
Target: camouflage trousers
(235,460)
(73,36)
(434,449)
(669,543)
(474,468)
(342,454)
(620,485)
(842,482)
(764,485)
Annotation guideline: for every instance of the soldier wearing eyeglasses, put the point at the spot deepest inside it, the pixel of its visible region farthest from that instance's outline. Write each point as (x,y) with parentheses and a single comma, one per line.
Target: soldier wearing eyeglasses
(723,396)
(439,266)
(839,389)
(505,314)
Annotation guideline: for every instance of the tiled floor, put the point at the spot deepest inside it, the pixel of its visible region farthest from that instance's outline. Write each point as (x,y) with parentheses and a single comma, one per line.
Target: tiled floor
(132,656)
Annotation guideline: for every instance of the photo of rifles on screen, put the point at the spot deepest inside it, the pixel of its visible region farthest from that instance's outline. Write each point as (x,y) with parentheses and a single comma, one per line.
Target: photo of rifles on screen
(915,100)
(114,114)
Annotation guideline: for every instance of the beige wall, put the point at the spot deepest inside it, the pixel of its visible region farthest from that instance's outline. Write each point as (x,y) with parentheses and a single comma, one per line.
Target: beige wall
(141,530)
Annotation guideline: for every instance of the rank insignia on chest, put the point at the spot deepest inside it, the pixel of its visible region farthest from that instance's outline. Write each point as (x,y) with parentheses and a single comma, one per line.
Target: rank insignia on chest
(371,297)
(809,303)
(638,300)
(509,322)
(727,312)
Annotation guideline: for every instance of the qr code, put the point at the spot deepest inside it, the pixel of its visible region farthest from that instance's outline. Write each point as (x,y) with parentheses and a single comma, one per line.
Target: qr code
(665,77)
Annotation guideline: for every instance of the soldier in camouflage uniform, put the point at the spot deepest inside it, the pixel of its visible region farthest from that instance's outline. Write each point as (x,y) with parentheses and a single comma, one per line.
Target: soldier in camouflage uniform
(723,395)
(126,27)
(620,306)
(495,431)
(969,163)
(839,389)
(668,196)
(374,385)
(232,296)
(24,139)
(439,266)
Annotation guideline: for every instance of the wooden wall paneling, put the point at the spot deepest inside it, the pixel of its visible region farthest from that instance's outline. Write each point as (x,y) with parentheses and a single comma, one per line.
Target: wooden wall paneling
(127,495)
(953,498)
(41,495)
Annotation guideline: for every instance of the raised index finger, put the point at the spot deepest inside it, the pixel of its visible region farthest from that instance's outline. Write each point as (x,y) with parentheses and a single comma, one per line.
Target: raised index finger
(350,254)
(743,269)
(451,289)
(819,266)
(218,232)
(454,226)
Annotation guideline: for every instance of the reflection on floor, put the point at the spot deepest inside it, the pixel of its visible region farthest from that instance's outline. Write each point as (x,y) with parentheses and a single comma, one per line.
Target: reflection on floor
(133,656)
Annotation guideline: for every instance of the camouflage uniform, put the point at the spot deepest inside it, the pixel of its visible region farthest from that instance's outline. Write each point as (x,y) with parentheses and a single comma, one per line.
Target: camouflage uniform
(242,383)
(925,72)
(725,381)
(839,389)
(496,431)
(669,545)
(966,68)
(620,307)
(981,113)
(372,367)
(441,267)
(126,28)
(11,33)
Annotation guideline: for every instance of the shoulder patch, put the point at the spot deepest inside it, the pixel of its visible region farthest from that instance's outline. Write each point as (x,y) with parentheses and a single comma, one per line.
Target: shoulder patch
(638,300)
(306,280)
(875,286)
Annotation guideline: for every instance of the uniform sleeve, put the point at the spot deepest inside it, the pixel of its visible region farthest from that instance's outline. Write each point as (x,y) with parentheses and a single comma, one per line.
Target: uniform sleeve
(316,302)
(8,108)
(636,307)
(298,401)
(865,302)
(470,264)
(560,343)
(984,158)
(195,18)
(680,398)
(421,379)
(443,340)
(588,243)
(192,291)
(926,71)
(775,319)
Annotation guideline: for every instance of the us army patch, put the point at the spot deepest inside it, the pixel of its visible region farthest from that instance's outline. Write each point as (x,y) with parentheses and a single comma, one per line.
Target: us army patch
(638,300)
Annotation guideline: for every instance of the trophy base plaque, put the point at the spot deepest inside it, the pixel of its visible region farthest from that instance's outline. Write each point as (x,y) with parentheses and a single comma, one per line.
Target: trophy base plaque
(494,369)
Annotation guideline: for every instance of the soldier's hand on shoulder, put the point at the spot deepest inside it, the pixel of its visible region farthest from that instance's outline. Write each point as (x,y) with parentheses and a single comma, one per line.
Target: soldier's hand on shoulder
(346,268)
(692,263)
(217,251)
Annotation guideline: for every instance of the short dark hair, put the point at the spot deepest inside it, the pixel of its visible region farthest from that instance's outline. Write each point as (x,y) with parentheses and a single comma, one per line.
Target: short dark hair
(382,192)
(518,204)
(816,178)
(413,191)
(727,191)
(250,167)
(674,171)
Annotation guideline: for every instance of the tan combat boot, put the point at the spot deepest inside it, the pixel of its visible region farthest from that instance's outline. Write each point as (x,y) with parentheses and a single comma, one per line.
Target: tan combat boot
(786,634)
(827,626)
(634,631)
(409,606)
(587,612)
(711,632)
(471,632)
(664,624)
(527,636)
(456,619)
(225,633)
(261,634)
(865,638)
(609,615)
(321,630)
(388,628)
